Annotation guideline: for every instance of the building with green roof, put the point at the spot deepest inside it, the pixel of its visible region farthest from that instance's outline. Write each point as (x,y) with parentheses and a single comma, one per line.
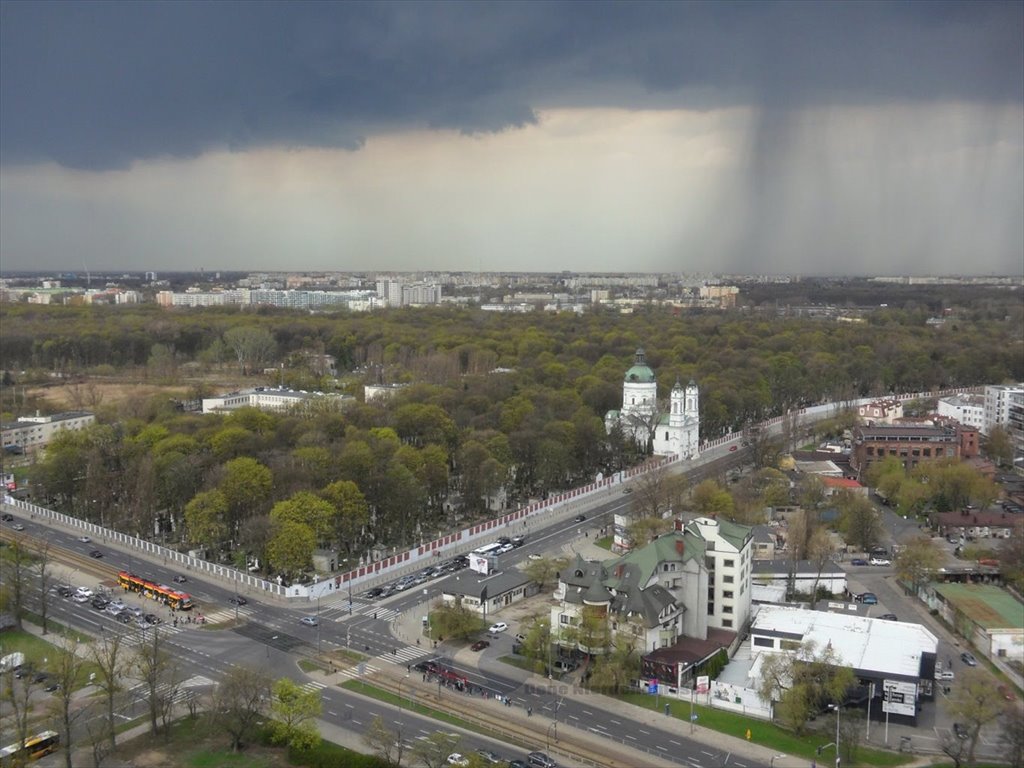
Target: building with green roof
(679,585)
(990,617)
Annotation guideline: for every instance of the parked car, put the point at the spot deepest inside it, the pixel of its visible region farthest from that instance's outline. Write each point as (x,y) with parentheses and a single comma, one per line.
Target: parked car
(858,561)
(517,764)
(309,621)
(456,759)
(96,554)
(100,603)
(565,665)
(479,645)
(534,556)
(946,674)
(497,627)
(541,760)
(888,617)
(968,659)
(880,561)
(520,638)
(63,591)
(960,731)
(115,608)
(124,617)
(80,598)
(489,757)
(84,539)
(52,687)
(85,591)
(868,598)
(151,618)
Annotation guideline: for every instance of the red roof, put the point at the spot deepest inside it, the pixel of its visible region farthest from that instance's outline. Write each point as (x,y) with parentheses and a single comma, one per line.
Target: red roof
(840,482)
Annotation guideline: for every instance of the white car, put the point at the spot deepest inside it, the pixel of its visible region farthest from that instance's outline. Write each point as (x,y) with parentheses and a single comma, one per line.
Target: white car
(534,556)
(309,621)
(80,598)
(84,539)
(880,561)
(84,591)
(456,759)
(501,626)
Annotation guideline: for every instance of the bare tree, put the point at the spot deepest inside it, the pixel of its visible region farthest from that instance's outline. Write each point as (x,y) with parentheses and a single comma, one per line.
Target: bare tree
(44,580)
(16,574)
(433,750)
(16,698)
(239,702)
(819,552)
(65,670)
(158,672)
(658,491)
(975,702)
(385,743)
(107,654)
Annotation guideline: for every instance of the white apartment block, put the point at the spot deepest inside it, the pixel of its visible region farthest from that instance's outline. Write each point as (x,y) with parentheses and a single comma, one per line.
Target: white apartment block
(32,433)
(273,399)
(969,410)
(997,405)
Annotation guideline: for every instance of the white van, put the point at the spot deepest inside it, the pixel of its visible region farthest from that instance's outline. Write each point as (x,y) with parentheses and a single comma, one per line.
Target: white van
(11,661)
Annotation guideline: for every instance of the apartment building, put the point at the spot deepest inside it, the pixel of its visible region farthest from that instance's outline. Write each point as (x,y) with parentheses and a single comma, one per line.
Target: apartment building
(32,433)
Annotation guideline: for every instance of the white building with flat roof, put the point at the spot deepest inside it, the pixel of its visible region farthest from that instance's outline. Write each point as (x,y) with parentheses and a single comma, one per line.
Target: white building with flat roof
(273,399)
(894,656)
(31,433)
(968,409)
(997,405)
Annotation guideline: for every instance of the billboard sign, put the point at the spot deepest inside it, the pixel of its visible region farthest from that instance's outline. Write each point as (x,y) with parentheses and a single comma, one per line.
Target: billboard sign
(703,683)
(479,563)
(899,697)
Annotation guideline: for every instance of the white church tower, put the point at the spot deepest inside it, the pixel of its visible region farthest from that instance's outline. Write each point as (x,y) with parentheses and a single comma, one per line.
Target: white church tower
(675,432)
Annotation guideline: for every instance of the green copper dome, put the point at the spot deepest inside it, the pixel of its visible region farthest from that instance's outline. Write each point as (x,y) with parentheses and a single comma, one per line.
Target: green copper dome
(640,372)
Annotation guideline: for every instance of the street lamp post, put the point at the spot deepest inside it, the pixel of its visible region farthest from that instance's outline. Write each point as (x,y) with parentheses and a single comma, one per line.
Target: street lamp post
(547,736)
(836,707)
(887,705)
(318,650)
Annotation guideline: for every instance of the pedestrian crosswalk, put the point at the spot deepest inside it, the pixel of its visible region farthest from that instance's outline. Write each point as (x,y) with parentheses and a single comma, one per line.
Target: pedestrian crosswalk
(367,610)
(360,670)
(312,686)
(228,614)
(402,654)
(141,636)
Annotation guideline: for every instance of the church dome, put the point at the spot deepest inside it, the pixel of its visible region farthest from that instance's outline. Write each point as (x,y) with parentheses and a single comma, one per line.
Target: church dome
(640,372)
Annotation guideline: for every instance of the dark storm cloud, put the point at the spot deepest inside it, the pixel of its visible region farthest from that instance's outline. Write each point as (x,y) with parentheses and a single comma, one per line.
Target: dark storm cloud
(98,85)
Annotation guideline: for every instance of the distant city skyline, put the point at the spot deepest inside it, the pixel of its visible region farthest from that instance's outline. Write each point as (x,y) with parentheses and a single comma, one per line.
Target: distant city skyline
(840,138)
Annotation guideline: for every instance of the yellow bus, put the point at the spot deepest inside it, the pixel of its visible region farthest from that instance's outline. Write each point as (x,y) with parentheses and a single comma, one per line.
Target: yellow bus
(34,747)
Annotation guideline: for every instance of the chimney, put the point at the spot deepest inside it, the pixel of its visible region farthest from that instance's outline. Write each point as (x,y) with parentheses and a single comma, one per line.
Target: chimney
(678,523)
(680,546)
(618,570)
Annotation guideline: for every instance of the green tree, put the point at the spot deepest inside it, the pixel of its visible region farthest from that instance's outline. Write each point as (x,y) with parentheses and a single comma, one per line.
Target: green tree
(709,498)
(246,485)
(454,620)
(1011,556)
(803,682)
(544,570)
(307,508)
(999,446)
(295,711)
(858,519)
(290,549)
(917,561)
(206,519)
(351,512)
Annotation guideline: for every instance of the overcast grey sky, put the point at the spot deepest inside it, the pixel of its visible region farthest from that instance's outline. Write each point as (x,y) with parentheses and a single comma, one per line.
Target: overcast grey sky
(819,138)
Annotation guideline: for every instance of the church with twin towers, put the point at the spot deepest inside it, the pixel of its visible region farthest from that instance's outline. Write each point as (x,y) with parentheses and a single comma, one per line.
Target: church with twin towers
(675,431)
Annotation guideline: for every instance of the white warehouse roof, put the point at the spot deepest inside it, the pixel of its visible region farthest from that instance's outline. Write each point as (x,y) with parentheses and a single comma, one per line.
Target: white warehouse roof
(862,643)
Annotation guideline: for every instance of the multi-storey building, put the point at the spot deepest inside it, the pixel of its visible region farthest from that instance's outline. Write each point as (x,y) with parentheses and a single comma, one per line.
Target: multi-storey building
(910,444)
(681,584)
(881,411)
(967,409)
(31,433)
(997,405)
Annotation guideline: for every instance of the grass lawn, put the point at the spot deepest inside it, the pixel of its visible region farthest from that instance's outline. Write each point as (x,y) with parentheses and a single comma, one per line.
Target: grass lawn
(605,542)
(519,661)
(761,732)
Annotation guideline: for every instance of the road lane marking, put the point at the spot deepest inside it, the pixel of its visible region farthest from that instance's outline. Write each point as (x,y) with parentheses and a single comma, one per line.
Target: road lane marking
(677,743)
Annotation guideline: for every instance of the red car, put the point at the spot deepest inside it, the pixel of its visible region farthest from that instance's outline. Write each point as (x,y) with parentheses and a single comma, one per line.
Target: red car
(479,645)
(732,447)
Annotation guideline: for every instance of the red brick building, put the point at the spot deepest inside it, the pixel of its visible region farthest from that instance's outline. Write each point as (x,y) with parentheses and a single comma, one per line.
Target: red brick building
(910,444)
